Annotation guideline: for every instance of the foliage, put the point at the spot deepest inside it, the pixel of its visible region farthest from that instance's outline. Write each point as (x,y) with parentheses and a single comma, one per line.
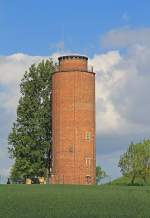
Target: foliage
(30,137)
(126,181)
(100,174)
(49,201)
(135,162)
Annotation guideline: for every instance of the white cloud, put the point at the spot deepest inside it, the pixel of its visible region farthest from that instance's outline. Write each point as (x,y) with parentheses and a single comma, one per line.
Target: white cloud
(104,65)
(5,172)
(122,83)
(126,37)
(12,69)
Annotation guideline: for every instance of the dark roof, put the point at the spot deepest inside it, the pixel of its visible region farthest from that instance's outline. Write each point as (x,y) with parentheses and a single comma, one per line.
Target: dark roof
(72,57)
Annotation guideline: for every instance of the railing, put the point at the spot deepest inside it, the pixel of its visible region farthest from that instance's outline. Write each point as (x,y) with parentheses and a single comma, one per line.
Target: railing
(89,69)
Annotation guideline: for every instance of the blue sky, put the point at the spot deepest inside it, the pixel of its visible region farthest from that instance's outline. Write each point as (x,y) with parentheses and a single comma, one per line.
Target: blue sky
(114,34)
(35,27)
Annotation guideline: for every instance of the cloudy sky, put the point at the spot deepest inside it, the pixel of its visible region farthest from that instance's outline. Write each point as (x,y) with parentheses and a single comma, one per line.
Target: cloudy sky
(114,34)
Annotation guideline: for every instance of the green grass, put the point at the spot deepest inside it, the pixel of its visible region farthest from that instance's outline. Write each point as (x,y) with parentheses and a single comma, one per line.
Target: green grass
(58,201)
(127,181)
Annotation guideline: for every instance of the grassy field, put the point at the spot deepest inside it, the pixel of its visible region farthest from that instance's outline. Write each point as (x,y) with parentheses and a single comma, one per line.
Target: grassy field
(126,181)
(45,201)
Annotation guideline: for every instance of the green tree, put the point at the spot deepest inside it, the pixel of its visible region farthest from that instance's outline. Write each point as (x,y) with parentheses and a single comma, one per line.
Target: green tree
(31,136)
(135,162)
(100,174)
(145,160)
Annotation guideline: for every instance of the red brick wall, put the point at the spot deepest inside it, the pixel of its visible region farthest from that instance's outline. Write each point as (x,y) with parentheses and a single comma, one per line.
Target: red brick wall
(73,122)
(73,63)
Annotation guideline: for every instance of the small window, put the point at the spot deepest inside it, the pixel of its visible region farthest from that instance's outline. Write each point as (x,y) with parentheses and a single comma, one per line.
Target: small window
(88,136)
(88,162)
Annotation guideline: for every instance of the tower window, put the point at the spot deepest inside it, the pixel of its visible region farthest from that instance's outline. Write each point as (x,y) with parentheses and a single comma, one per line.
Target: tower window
(88,162)
(88,136)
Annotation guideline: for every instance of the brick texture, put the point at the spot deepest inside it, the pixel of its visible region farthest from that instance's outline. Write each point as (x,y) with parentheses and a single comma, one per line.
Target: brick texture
(73,123)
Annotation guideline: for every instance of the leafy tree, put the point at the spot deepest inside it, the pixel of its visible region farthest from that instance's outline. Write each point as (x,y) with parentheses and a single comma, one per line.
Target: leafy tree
(135,162)
(145,160)
(100,174)
(31,135)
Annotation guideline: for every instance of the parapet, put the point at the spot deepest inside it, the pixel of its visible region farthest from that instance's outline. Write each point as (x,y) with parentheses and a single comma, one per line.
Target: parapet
(73,63)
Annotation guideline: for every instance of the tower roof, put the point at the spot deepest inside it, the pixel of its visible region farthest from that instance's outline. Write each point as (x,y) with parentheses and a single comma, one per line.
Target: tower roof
(72,57)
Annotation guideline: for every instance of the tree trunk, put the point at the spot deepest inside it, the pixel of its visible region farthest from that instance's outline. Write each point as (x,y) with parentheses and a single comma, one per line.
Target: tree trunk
(133,179)
(49,164)
(144,178)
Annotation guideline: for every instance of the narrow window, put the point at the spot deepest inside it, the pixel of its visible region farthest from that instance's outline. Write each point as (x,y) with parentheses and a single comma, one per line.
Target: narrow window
(88,136)
(88,162)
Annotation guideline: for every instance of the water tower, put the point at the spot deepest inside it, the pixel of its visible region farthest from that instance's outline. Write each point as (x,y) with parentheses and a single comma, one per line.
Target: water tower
(73,122)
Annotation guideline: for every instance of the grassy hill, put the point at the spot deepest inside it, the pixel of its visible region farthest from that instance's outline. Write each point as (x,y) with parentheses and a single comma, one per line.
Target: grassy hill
(126,181)
(60,201)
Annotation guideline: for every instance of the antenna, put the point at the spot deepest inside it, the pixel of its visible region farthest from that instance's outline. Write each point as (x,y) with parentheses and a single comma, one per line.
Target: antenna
(61,44)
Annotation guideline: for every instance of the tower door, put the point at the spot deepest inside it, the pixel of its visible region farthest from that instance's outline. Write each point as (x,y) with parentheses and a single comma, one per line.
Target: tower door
(88,180)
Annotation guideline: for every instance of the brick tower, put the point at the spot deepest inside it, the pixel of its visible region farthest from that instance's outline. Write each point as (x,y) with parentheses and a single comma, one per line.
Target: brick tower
(73,122)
